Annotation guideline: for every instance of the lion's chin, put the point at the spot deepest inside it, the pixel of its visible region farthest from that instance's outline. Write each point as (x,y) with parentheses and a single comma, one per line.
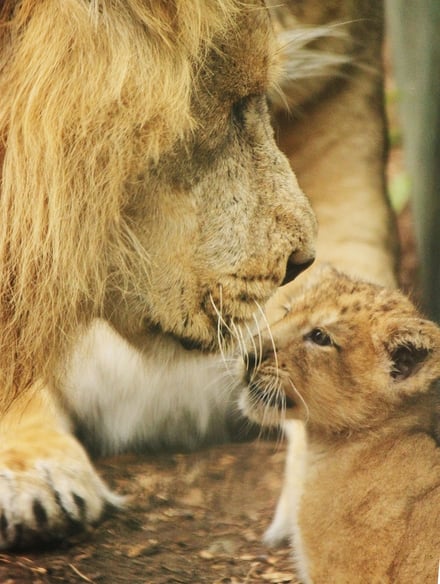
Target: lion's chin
(207,346)
(213,338)
(228,344)
(194,345)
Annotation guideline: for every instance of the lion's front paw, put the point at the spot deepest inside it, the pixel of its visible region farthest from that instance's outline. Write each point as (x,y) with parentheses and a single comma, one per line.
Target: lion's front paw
(47,491)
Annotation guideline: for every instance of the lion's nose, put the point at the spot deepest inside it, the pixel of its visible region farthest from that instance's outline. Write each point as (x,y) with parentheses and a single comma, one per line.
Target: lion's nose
(295,265)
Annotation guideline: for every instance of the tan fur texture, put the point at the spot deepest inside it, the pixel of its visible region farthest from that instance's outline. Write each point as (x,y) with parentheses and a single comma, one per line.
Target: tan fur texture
(358,364)
(141,183)
(334,134)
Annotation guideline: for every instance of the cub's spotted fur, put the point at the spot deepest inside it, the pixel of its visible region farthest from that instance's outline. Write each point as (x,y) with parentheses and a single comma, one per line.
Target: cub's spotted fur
(358,364)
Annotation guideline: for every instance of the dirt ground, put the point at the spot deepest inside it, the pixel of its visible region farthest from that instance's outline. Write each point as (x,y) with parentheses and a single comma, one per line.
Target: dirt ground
(194,518)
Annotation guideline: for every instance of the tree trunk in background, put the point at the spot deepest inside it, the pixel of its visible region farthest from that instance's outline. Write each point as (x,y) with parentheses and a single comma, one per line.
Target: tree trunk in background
(415,36)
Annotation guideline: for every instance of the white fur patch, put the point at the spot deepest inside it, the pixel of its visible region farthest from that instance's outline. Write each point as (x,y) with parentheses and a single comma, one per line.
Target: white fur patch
(165,397)
(282,526)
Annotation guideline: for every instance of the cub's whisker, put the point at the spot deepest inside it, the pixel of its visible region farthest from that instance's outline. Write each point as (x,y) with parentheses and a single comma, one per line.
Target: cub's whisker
(282,417)
(271,416)
(300,397)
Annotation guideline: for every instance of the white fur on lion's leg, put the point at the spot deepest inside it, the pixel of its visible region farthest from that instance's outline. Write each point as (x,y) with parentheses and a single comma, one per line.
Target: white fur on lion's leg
(282,525)
(159,396)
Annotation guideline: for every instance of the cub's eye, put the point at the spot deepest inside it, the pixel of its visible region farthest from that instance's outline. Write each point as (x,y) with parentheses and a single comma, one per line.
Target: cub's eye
(319,337)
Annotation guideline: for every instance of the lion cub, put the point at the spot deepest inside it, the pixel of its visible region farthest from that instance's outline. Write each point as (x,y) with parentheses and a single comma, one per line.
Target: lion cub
(358,364)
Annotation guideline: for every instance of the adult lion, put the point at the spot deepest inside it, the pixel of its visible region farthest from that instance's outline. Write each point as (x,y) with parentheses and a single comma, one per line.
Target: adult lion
(143,193)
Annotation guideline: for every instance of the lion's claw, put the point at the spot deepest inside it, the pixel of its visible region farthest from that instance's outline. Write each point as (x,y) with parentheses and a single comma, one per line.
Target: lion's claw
(45,499)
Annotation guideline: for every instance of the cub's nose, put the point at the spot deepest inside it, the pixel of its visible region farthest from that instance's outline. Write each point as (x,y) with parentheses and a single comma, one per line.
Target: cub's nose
(296,264)
(250,366)
(253,361)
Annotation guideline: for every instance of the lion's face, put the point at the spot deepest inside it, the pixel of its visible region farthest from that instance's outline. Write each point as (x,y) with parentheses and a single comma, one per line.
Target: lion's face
(221,213)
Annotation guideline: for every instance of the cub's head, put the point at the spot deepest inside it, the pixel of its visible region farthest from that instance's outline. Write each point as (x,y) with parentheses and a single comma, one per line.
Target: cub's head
(348,355)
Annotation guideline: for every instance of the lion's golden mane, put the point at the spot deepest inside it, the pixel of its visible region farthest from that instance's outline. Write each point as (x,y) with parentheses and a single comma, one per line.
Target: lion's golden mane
(85,101)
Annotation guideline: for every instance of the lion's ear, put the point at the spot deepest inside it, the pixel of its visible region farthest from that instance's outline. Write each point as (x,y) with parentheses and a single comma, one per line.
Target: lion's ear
(300,61)
(413,348)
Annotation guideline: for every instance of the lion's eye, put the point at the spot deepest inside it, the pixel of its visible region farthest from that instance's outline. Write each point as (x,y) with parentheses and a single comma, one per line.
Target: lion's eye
(319,337)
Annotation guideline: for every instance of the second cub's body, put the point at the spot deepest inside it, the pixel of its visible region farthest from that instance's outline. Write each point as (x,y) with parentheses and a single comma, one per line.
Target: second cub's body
(359,365)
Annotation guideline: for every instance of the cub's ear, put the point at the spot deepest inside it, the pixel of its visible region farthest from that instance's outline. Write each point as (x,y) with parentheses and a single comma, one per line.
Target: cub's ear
(319,274)
(414,346)
(407,359)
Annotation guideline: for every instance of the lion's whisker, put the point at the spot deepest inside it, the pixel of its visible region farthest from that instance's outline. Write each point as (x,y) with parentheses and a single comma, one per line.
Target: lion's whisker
(269,332)
(254,346)
(240,342)
(226,383)
(259,353)
(220,321)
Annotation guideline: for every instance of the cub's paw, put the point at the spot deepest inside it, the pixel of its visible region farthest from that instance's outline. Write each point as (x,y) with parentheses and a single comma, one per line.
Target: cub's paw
(48,490)
(278,532)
